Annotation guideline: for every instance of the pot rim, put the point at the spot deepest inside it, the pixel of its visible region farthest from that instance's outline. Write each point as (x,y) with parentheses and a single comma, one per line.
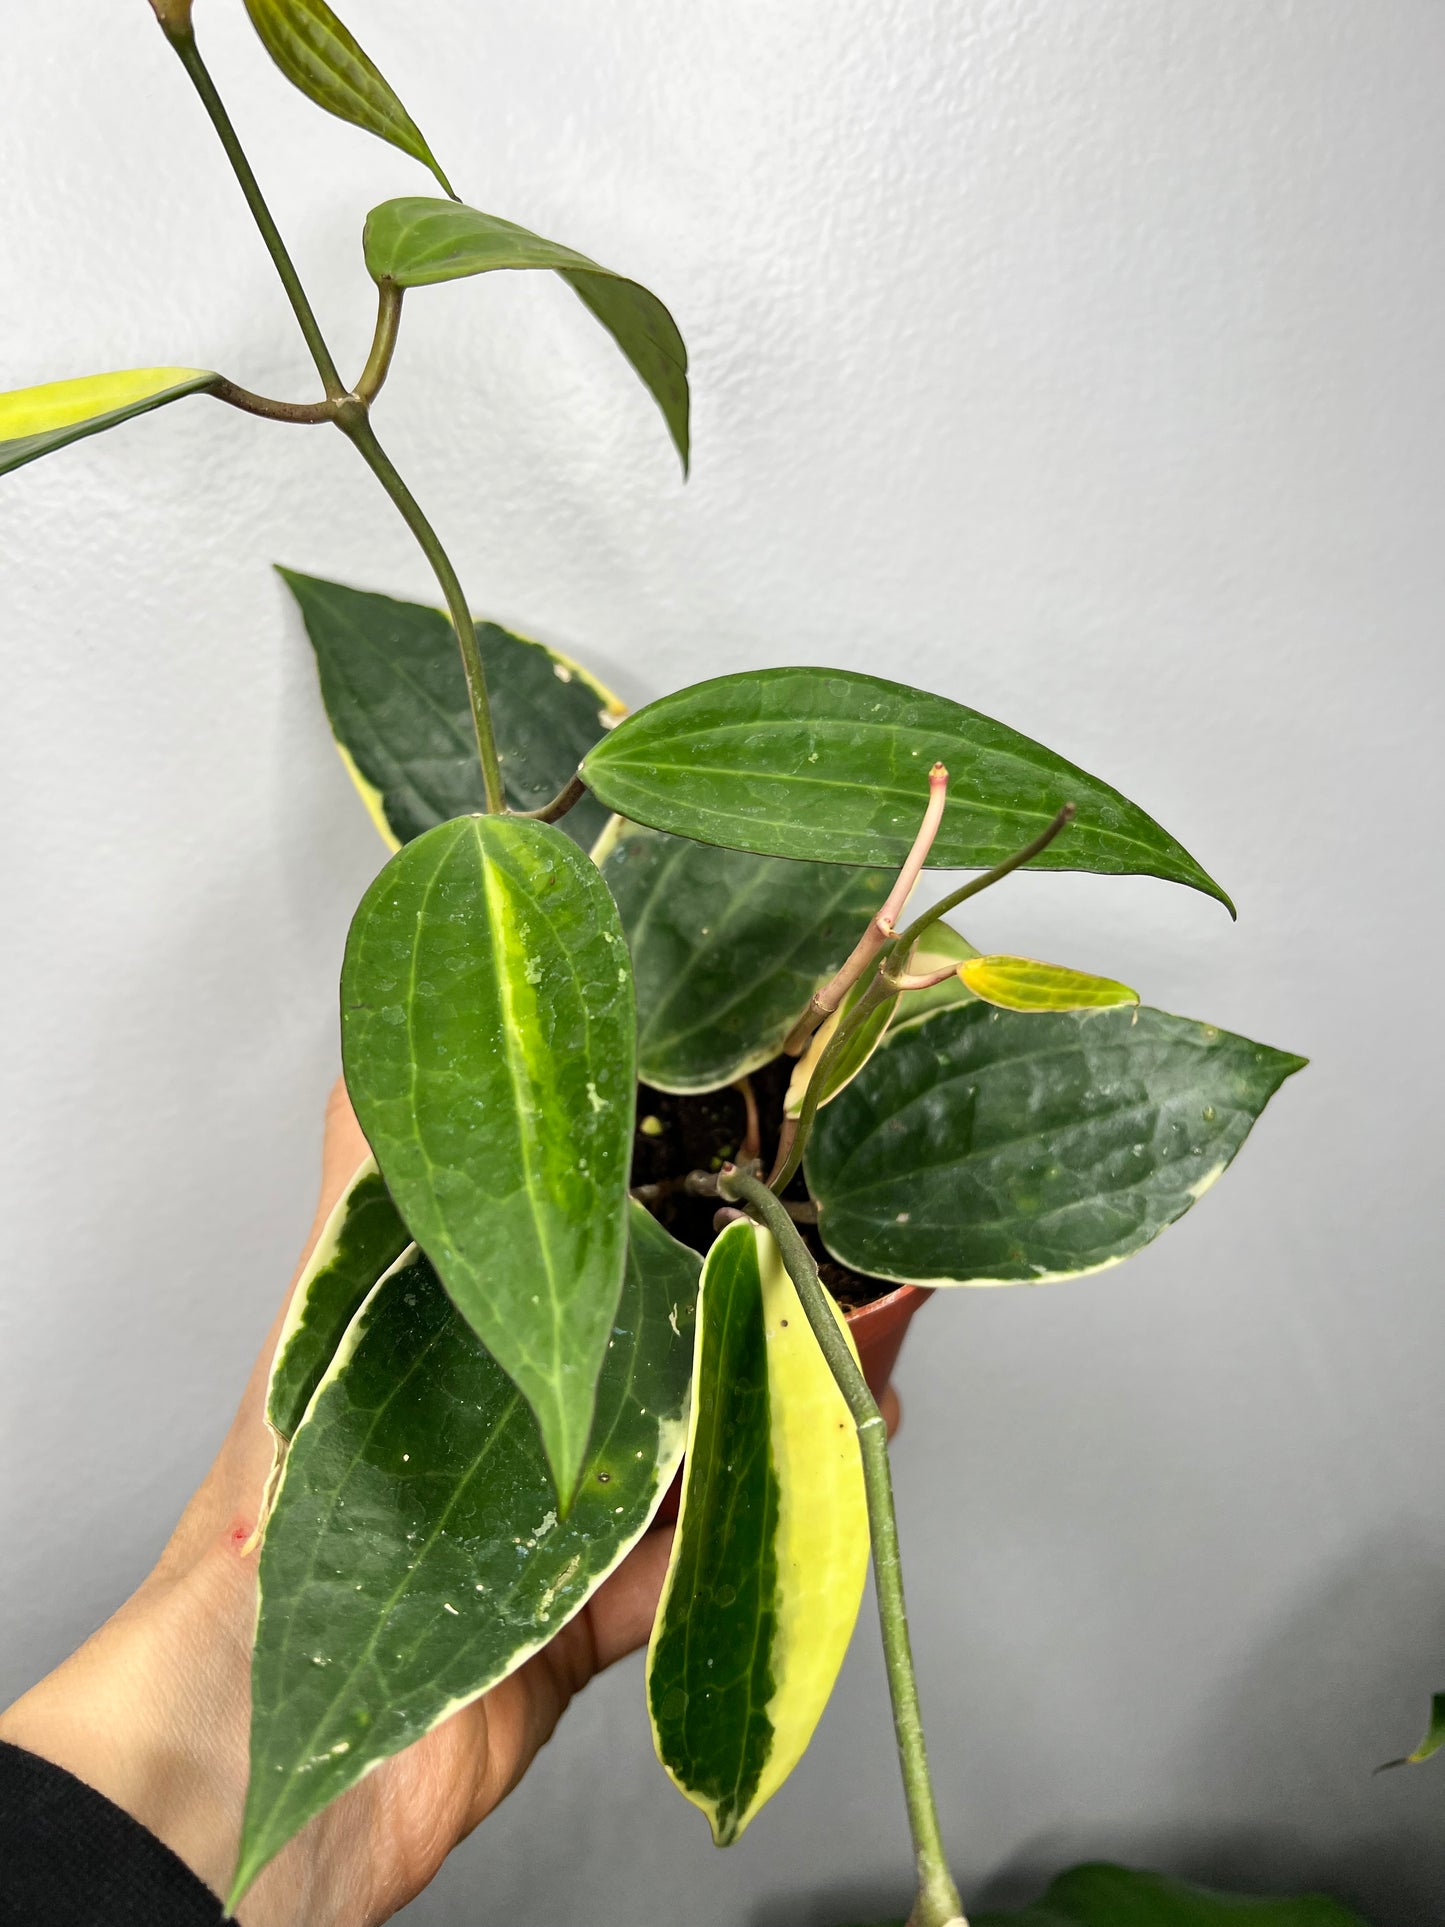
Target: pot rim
(901,1296)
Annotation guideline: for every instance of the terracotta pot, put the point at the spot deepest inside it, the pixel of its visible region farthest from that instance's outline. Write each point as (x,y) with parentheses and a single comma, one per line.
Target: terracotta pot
(879,1329)
(878,1332)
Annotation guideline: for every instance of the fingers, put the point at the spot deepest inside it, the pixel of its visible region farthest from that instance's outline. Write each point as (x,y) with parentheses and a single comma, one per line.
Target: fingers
(890,1408)
(343,1149)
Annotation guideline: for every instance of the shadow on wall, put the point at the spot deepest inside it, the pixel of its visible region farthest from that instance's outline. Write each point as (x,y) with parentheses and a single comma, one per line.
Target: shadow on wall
(1343,1684)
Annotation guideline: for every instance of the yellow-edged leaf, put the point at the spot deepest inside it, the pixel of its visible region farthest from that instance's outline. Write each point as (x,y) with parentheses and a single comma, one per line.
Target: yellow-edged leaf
(771,1547)
(1022,983)
(33,421)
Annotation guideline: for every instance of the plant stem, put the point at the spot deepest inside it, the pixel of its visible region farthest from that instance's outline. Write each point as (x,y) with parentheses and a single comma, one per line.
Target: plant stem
(347,410)
(791,1155)
(352,421)
(915,930)
(273,411)
(882,927)
(571,792)
(937,1903)
(383,344)
(183,39)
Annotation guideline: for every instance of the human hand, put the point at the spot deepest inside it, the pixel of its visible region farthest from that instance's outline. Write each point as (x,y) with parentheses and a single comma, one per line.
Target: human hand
(154,1709)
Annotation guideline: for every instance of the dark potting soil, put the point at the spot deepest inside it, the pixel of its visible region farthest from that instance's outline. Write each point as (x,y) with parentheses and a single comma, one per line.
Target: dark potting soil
(676,1135)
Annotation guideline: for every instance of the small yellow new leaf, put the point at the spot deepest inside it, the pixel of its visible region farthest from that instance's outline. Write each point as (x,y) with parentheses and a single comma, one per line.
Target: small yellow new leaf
(1022,983)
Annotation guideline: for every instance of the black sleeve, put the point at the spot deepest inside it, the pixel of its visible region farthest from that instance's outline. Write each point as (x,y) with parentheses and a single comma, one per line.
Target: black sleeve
(68,1858)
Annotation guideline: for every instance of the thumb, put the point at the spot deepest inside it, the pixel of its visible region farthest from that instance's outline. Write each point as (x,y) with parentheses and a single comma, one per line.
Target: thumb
(343,1151)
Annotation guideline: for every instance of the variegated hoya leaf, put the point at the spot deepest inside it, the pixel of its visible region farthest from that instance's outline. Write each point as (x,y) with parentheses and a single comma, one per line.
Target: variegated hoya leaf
(415,1556)
(726,949)
(771,1548)
(321,57)
(416,243)
(488,1039)
(985,1147)
(396,697)
(363,1237)
(1021,983)
(33,421)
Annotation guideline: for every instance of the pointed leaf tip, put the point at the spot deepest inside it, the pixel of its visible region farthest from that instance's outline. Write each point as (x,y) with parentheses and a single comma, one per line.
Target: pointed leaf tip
(988,1147)
(488,1040)
(1430,1745)
(321,57)
(832,765)
(34,421)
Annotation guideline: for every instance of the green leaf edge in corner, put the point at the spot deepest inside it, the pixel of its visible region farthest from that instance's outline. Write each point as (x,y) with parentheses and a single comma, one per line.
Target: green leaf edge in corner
(35,421)
(771,1548)
(1432,1743)
(415,1429)
(322,58)
(417,242)
(1100,1895)
(396,699)
(489,1043)
(833,766)
(937,1221)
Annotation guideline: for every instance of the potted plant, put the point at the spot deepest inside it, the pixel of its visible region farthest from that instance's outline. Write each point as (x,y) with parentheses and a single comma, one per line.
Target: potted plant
(678,1112)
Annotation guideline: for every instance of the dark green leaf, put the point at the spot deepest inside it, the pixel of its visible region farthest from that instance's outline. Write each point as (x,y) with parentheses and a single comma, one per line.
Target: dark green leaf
(825,764)
(488,1039)
(318,54)
(1433,1741)
(771,1548)
(415,1556)
(33,421)
(363,1237)
(417,242)
(980,1146)
(727,948)
(392,682)
(1102,1896)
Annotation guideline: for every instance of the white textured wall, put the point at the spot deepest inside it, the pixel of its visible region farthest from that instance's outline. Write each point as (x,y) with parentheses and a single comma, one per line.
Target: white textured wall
(1084,360)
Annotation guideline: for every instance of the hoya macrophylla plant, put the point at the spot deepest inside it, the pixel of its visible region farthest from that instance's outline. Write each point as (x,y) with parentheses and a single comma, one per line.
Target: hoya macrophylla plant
(490,1369)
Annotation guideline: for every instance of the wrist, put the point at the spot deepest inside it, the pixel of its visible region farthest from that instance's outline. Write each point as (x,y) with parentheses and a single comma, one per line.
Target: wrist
(153,1712)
